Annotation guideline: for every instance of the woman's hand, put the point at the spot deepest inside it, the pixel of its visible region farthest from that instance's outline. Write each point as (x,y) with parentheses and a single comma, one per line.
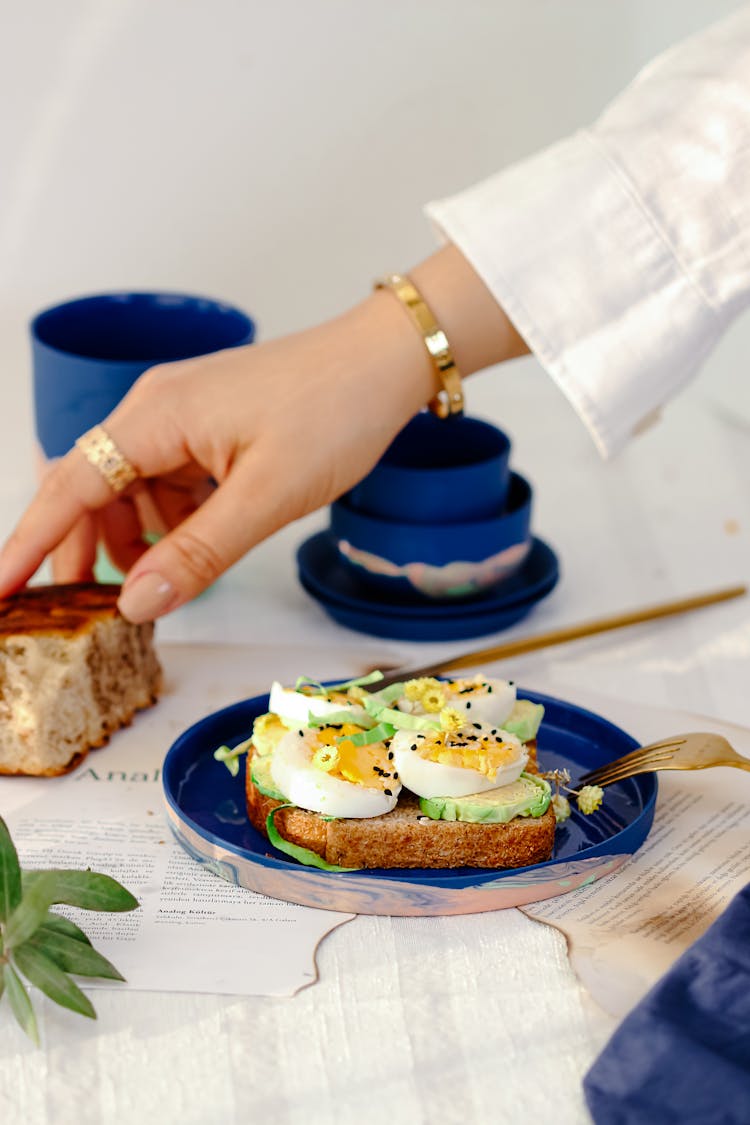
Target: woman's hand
(232,446)
(282,428)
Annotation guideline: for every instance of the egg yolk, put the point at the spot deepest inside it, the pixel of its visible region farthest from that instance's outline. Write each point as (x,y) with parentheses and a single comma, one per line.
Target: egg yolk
(268,730)
(362,765)
(484,752)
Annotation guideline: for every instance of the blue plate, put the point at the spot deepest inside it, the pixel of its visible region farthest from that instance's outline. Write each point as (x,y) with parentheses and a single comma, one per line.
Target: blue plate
(378,622)
(411,617)
(324,574)
(206,808)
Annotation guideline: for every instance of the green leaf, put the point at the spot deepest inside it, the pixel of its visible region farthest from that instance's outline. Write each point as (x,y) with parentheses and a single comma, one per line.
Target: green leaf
(229,757)
(306,681)
(21,1004)
(296,851)
(88,890)
(401,720)
(56,924)
(367,737)
(360,681)
(388,694)
(10,874)
(47,976)
(71,955)
(338,718)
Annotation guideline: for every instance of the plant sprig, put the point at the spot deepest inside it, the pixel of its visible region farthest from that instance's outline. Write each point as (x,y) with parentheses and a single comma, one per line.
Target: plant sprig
(44,947)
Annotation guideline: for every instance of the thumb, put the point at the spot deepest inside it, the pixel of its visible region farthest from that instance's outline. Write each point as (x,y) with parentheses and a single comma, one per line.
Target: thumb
(194,554)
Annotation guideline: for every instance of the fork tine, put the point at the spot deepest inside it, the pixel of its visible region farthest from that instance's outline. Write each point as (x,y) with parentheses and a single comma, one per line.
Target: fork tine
(635,761)
(617,771)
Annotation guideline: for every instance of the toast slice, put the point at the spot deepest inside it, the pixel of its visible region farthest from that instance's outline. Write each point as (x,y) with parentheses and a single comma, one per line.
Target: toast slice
(72,671)
(405,837)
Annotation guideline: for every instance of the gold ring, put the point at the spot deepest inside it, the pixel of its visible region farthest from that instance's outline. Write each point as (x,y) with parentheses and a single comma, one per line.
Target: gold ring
(101,452)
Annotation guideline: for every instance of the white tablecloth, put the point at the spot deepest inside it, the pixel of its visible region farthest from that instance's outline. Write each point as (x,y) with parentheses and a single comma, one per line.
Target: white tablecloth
(434,1020)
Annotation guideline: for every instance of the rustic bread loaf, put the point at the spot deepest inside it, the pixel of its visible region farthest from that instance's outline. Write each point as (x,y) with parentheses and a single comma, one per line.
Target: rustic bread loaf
(72,670)
(407,838)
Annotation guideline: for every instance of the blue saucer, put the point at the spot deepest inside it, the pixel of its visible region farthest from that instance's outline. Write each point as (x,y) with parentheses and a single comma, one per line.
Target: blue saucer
(411,617)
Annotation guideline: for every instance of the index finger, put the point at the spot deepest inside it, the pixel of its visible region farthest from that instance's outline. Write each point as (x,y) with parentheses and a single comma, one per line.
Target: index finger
(69,490)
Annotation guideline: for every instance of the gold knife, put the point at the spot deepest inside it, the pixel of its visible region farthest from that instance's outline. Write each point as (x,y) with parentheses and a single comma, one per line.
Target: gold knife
(567,633)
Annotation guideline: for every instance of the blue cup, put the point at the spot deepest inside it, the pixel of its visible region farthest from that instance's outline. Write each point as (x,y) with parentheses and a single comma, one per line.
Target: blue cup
(441,559)
(438,470)
(88,352)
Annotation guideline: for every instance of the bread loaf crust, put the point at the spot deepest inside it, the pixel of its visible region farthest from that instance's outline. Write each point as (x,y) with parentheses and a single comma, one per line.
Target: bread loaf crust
(405,837)
(72,671)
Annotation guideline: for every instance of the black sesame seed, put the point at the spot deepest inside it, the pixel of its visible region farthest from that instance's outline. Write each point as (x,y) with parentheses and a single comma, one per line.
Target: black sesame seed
(468,704)
(494,730)
(301,733)
(395,776)
(388,792)
(477,726)
(489,688)
(414,746)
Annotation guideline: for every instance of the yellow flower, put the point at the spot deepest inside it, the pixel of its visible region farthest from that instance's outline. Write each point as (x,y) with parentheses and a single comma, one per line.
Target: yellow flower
(560,807)
(415,689)
(451,719)
(433,701)
(590,798)
(326,758)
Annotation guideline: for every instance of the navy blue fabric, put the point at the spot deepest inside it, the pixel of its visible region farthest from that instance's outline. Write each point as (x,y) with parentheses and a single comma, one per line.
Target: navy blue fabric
(683,1054)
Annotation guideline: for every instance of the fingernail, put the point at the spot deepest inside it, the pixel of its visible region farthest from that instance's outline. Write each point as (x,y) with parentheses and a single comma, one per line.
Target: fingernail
(146,597)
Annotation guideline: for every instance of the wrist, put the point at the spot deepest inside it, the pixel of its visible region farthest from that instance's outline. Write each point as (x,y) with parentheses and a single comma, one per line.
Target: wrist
(381,345)
(478,330)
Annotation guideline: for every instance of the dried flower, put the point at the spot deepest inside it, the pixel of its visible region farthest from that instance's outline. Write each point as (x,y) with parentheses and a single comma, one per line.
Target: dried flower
(590,798)
(433,701)
(560,807)
(326,758)
(451,720)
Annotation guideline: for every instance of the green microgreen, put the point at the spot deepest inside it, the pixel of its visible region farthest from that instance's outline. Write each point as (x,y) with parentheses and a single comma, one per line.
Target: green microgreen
(296,851)
(230,756)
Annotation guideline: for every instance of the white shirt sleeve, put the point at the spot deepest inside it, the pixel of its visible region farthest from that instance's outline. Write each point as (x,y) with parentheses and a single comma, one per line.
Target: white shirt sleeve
(622,253)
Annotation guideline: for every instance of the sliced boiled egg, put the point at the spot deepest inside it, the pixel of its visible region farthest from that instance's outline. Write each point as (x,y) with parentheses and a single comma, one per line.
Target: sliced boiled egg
(294,707)
(456,763)
(482,698)
(324,771)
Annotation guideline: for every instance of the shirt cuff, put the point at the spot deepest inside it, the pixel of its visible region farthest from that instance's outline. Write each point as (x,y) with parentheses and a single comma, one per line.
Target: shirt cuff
(573,255)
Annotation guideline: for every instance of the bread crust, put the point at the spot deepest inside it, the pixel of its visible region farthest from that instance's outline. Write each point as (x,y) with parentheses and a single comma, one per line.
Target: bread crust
(57,610)
(72,671)
(405,837)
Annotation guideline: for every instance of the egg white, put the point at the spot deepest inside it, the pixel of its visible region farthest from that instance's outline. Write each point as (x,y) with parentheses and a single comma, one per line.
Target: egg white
(434,779)
(294,707)
(311,788)
(478,705)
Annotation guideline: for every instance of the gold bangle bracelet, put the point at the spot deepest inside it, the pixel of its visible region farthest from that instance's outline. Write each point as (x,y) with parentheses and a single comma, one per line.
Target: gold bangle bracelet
(450,398)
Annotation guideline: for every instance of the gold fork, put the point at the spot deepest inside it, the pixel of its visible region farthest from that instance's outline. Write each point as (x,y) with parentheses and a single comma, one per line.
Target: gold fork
(696,751)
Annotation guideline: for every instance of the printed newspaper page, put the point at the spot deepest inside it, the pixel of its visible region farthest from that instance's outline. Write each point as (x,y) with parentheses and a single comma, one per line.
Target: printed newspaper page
(626,930)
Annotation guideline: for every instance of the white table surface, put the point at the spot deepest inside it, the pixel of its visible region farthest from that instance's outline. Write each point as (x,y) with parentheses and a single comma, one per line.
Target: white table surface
(463,1019)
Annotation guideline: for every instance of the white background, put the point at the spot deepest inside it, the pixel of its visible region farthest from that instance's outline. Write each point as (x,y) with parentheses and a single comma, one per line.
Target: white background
(278,155)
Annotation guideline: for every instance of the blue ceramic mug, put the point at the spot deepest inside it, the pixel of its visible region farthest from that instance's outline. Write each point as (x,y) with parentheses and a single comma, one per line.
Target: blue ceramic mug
(438,470)
(88,352)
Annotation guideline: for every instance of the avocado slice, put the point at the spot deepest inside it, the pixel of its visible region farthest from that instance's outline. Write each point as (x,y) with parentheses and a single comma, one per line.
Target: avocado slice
(260,773)
(524,719)
(528,796)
